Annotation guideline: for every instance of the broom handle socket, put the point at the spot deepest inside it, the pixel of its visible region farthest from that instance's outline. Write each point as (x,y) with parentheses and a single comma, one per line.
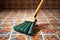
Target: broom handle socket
(39,6)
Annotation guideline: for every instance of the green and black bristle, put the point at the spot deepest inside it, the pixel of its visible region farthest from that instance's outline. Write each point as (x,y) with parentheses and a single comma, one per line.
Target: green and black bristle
(26,27)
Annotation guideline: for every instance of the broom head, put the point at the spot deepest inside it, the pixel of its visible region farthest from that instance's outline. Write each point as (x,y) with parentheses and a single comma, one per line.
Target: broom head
(27,26)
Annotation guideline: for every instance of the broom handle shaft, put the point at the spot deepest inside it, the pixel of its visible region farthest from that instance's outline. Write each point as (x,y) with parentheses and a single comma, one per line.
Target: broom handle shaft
(39,6)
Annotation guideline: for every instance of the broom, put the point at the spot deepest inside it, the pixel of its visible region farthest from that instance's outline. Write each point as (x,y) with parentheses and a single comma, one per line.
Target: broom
(28,25)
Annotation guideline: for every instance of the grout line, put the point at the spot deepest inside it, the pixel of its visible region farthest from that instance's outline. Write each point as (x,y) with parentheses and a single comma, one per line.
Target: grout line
(46,18)
(32,13)
(24,16)
(6,17)
(48,22)
(55,12)
(49,34)
(12,27)
(42,35)
(24,20)
(21,16)
(39,34)
(24,34)
(17,34)
(3,34)
(3,12)
(55,16)
(52,15)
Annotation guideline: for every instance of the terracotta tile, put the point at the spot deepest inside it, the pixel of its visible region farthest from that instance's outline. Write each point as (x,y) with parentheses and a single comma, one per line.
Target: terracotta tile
(4,37)
(50,17)
(13,14)
(21,13)
(19,17)
(18,37)
(43,21)
(10,17)
(50,31)
(5,25)
(58,25)
(47,14)
(51,37)
(1,19)
(58,21)
(17,23)
(58,17)
(9,20)
(19,20)
(36,37)
(6,30)
(41,17)
(44,24)
(28,13)
(53,21)
(39,14)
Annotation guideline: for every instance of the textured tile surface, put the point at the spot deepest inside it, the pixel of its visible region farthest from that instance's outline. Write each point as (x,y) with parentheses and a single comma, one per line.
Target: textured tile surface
(48,27)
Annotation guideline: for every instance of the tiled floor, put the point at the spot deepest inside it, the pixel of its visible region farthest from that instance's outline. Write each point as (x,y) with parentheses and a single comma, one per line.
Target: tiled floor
(48,21)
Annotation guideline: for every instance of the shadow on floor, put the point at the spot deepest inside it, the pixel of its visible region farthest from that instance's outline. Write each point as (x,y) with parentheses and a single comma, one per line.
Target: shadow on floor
(37,28)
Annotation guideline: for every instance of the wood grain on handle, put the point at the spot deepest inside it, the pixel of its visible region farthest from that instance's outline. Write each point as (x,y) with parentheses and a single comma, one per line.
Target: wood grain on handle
(39,6)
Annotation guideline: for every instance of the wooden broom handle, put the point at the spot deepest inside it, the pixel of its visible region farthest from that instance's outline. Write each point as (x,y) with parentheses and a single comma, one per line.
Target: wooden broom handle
(39,6)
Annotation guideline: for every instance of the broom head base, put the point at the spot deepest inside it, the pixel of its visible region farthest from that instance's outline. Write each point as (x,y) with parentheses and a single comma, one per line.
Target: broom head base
(31,19)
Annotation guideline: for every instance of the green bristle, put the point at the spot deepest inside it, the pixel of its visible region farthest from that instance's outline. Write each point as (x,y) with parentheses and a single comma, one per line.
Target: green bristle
(30,31)
(23,27)
(27,28)
(17,28)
